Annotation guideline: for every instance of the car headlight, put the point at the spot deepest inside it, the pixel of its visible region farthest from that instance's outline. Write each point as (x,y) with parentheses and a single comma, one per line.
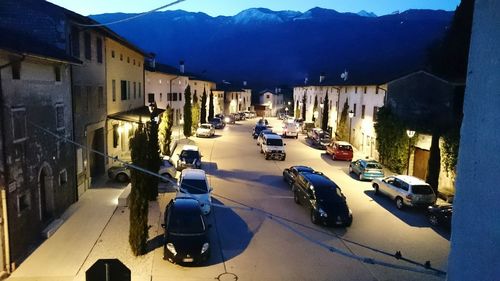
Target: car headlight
(204,248)
(171,248)
(322,213)
(227,119)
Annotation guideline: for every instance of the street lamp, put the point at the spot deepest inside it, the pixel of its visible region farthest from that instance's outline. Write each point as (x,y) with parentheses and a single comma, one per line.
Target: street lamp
(351,114)
(410,135)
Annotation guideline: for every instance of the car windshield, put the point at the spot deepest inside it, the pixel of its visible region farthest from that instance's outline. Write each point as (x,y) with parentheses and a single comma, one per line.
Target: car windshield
(328,192)
(421,189)
(194,186)
(189,154)
(345,147)
(373,166)
(275,142)
(324,136)
(205,127)
(258,129)
(185,222)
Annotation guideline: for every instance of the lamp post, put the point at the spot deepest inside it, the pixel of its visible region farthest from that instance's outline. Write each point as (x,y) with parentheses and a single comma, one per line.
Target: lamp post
(351,114)
(410,135)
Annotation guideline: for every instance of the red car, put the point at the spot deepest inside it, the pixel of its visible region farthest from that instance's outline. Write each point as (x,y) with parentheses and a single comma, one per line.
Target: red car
(340,150)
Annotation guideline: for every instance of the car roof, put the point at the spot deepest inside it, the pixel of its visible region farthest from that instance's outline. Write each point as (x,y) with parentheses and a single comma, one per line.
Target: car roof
(302,168)
(190,147)
(206,124)
(272,136)
(193,174)
(342,143)
(411,180)
(186,204)
(319,179)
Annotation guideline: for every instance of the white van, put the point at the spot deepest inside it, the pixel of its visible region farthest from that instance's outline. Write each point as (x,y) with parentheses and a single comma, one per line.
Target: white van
(290,129)
(273,147)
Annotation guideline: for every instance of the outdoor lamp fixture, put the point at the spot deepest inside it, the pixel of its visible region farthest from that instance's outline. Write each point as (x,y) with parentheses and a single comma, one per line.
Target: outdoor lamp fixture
(351,114)
(410,135)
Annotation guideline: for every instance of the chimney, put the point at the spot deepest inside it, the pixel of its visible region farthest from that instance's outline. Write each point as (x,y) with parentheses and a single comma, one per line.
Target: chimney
(244,83)
(152,63)
(321,77)
(305,81)
(181,66)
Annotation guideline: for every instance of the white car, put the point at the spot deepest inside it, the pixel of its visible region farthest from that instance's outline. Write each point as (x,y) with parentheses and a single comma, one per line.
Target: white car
(291,129)
(273,147)
(167,170)
(405,190)
(193,183)
(205,130)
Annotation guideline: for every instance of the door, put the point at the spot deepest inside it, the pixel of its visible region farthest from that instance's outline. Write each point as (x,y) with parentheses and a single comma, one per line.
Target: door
(46,194)
(420,163)
(97,160)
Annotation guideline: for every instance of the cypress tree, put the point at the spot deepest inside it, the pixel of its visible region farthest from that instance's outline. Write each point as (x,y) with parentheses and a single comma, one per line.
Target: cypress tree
(188,118)
(315,108)
(324,114)
(211,107)
(304,100)
(342,127)
(138,202)
(203,112)
(164,138)
(195,111)
(154,161)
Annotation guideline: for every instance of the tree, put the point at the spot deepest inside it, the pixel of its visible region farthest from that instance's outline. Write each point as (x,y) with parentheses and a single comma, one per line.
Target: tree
(203,113)
(195,111)
(325,113)
(154,161)
(211,107)
(188,121)
(138,202)
(342,129)
(165,131)
(315,109)
(304,100)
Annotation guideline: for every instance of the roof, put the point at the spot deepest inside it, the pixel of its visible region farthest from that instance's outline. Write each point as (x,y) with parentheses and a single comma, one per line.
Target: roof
(193,174)
(342,143)
(186,204)
(272,136)
(23,44)
(164,68)
(190,147)
(411,180)
(229,88)
(136,115)
(318,179)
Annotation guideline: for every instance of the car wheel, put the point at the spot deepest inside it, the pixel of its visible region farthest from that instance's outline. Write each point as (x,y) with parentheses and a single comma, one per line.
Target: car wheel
(349,221)
(314,217)
(361,177)
(283,159)
(296,198)
(267,157)
(433,219)
(375,186)
(399,203)
(297,136)
(122,177)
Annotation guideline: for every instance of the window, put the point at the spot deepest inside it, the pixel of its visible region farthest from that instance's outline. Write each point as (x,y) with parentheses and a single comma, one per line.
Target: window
(363,112)
(180,96)
(355,90)
(121,57)
(23,202)
(128,90)
(139,63)
(113,89)
(78,98)
(161,96)
(88,98)
(86,39)
(99,50)
(140,89)
(112,53)
(151,97)
(376,90)
(116,135)
(134,62)
(364,90)
(100,97)
(75,42)
(60,117)
(375,111)
(123,89)
(57,73)
(63,177)
(128,59)
(16,70)
(354,110)
(169,96)
(135,90)
(345,90)
(19,124)
(174,97)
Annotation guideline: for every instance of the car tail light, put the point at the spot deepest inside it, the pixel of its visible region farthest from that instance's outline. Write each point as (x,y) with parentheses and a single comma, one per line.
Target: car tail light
(409,196)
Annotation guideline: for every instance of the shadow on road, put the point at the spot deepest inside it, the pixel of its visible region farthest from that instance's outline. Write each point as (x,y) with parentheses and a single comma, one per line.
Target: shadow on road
(411,216)
(275,181)
(154,243)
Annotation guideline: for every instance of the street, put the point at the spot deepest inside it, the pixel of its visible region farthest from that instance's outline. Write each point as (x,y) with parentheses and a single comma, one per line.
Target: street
(277,241)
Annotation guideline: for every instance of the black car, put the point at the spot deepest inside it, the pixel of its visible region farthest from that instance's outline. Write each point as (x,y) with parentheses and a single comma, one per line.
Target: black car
(323,198)
(263,122)
(440,215)
(319,138)
(189,157)
(258,128)
(289,174)
(186,237)
(230,119)
(218,123)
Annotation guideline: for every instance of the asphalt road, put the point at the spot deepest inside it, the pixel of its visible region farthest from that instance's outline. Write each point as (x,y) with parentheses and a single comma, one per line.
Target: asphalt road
(259,233)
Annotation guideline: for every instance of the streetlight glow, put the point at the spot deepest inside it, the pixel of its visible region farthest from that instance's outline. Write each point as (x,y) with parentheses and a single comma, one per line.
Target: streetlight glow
(410,135)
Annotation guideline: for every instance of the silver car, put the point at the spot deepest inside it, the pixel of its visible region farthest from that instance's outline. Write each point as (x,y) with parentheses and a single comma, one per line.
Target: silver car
(122,173)
(205,130)
(405,190)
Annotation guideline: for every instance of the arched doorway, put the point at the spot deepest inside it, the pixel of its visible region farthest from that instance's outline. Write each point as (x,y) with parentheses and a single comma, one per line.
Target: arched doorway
(46,193)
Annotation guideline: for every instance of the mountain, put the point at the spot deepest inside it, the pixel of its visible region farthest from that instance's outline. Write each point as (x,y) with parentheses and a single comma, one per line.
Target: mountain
(364,13)
(269,48)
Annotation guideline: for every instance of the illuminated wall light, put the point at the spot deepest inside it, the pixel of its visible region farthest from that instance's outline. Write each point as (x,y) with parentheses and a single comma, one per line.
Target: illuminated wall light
(128,126)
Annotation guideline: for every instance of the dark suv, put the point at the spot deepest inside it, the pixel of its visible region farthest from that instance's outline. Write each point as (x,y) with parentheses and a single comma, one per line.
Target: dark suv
(323,198)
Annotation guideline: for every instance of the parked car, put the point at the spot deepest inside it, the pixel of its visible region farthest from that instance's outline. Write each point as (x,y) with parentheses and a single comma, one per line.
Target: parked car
(440,215)
(319,138)
(273,147)
(291,129)
(186,238)
(167,170)
(366,169)
(194,183)
(189,157)
(323,198)
(263,122)
(261,135)
(121,173)
(205,130)
(230,119)
(290,174)
(258,128)
(217,123)
(405,190)
(340,150)
(239,116)
(306,127)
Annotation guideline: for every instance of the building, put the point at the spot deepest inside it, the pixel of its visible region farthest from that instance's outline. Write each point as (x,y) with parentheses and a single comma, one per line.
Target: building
(273,100)
(37,166)
(236,98)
